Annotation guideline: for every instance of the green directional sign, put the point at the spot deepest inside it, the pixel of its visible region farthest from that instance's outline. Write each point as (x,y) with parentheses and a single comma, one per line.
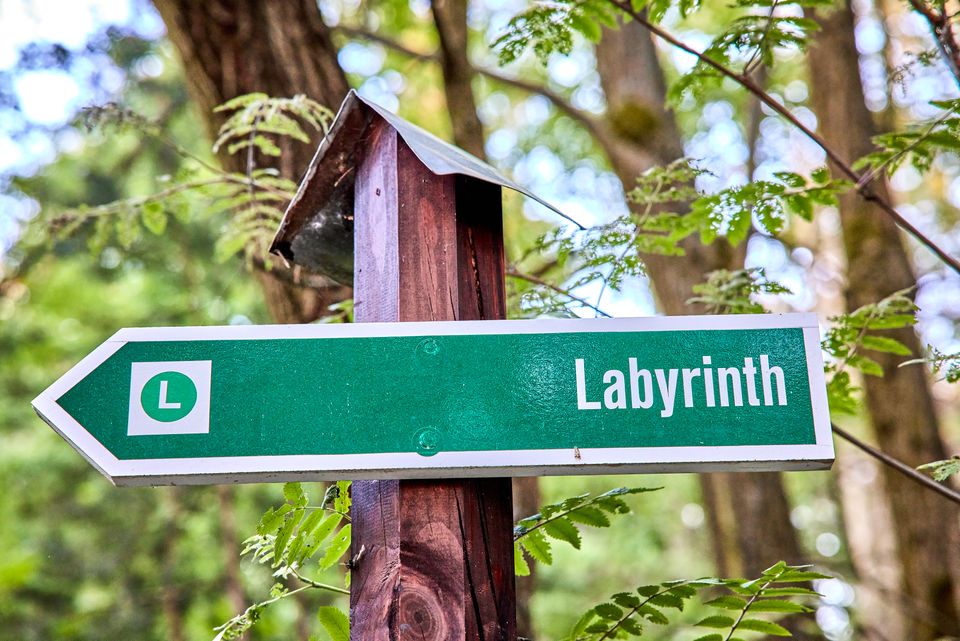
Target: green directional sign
(224,404)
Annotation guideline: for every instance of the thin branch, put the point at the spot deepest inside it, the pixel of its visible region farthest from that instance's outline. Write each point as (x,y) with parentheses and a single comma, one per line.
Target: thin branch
(563,292)
(751,86)
(898,465)
(756,58)
(389,43)
(746,607)
(592,124)
(320,586)
(942,31)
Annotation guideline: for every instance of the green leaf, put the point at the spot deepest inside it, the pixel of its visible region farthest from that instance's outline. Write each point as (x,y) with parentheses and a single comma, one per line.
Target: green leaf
(626,600)
(582,623)
(597,628)
(766,627)
(283,536)
(865,364)
(728,603)
(154,217)
(590,516)
(293,493)
(335,622)
(563,530)
(710,637)
(241,101)
(272,519)
(309,524)
(590,29)
(520,566)
(942,470)
(667,600)
(608,611)
(792,575)
(537,545)
(337,548)
(885,344)
(893,321)
(776,605)
(341,503)
(653,615)
(716,621)
(631,626)
(793,591)
(327,525)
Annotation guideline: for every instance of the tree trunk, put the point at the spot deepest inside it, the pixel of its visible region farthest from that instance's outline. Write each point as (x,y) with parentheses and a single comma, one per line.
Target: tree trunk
(233,47)
(899,404)
(450,18)
(748,513)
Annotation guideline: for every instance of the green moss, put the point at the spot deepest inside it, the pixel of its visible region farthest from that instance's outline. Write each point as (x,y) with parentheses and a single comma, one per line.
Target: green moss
(634,121)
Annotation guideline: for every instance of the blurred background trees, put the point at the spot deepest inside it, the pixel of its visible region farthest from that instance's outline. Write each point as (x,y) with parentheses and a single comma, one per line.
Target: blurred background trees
(85,561)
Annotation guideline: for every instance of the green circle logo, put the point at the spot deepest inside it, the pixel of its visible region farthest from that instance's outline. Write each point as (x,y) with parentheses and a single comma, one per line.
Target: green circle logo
(168,397)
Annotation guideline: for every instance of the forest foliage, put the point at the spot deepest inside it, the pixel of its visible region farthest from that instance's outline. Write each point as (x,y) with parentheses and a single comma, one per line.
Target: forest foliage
(162,231)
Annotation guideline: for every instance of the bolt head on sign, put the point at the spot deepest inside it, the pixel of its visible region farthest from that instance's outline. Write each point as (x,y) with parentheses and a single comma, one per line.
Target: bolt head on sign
(448,399)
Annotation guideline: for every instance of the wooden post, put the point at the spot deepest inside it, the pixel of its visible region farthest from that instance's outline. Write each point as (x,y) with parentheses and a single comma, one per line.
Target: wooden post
(437,556)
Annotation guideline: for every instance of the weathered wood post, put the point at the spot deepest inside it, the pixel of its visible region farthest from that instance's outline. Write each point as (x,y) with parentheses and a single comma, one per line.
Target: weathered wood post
(416,223)
(437,559)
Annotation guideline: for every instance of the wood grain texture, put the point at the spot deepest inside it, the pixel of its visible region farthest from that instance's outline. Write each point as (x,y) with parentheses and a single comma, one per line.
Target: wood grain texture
(480,250)
(437,560)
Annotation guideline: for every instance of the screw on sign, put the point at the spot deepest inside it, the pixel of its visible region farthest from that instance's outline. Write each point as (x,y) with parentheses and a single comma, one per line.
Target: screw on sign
(432,385)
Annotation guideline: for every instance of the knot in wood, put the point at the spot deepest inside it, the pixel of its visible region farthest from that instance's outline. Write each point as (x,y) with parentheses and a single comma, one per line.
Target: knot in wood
(421,615)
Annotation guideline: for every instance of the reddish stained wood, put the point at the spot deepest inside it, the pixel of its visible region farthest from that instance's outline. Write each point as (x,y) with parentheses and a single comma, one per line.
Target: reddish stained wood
(481,270)
(437,558)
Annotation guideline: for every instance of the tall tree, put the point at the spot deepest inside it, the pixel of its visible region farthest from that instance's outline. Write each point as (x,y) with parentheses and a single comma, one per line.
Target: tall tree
(644,133)
(235,47)
(877,266)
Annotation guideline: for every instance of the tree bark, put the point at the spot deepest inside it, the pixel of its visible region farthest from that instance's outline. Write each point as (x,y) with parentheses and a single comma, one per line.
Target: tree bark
(234,47)
(450,18)
(900,405)
(748,513)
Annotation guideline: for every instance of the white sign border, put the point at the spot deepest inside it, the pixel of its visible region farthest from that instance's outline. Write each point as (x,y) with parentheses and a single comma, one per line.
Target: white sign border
(243,469)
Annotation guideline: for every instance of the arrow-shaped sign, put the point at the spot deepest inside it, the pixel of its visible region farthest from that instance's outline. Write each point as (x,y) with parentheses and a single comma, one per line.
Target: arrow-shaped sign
(489,398)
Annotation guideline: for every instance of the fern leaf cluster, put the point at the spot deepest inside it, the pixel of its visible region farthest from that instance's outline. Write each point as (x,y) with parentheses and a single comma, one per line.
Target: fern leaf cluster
(255,117)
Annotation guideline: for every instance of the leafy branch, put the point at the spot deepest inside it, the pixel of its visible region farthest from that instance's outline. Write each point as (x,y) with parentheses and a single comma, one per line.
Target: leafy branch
(542,299)
(851,334)
(252,201)
(773,592)
(941,363)
(549,28)
(920,145)
(287,538)
(562,520)
(942,470)
(731,292)
(941,26)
